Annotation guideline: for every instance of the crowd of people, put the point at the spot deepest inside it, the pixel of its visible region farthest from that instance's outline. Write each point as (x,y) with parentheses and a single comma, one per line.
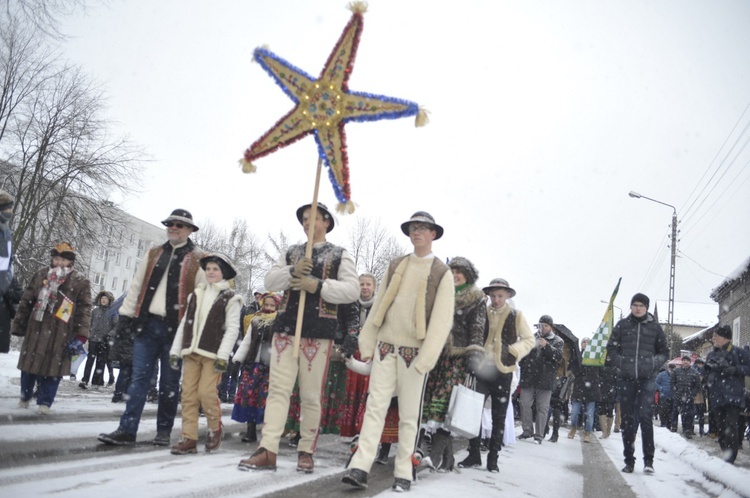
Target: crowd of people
(324,350)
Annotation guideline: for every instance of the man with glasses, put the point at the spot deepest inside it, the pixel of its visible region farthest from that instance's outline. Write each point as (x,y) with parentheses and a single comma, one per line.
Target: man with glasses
(404,334)
(637,348)
(152,311)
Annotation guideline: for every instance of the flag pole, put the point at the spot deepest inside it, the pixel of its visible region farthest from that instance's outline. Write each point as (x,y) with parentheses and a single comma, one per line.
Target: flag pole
(308,254)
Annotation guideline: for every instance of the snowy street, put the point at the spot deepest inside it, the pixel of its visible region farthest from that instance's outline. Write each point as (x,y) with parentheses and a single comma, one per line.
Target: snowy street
(59,455)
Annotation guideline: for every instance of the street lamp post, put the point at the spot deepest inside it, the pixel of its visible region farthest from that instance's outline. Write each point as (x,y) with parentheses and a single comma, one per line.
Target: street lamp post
(614,306)
(670,317)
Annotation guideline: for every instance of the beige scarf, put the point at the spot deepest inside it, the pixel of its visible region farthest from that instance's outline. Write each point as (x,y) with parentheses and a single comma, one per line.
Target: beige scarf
(390,294)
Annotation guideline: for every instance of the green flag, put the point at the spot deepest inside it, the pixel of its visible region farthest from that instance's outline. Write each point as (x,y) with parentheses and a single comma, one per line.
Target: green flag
(596,350)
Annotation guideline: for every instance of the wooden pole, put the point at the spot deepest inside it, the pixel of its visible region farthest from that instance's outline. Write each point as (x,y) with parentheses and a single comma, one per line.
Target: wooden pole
(308,254)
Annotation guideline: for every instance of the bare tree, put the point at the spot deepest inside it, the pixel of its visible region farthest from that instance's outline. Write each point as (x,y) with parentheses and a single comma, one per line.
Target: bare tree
(63,165)
(43,15)
(25,65)
(279,246)
(243,248)
(372,247)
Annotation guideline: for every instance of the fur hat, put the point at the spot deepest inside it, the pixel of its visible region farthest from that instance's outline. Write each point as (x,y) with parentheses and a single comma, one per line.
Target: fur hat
(422,217)
(686,358)
(466,267)
(181,216)
(324,212)
(6,200)
(499,283)
(228,271)
(724,331)
(64,250)
(640,298)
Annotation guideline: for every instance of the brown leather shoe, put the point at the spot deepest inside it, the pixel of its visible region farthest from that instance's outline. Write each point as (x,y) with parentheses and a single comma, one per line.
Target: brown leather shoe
(213,440)
(185,447)
(305,462)
(262,459)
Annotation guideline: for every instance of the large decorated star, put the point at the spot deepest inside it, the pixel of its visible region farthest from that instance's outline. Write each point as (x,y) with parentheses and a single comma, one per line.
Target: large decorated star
(324,105)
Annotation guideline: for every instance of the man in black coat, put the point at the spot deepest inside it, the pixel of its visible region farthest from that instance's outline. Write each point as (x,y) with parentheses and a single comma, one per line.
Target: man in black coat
(726,367)
(538,379)
(638,348)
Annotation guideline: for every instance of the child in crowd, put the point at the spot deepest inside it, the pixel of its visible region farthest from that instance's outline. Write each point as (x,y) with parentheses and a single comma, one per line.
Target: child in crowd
(204,341)
(255,355)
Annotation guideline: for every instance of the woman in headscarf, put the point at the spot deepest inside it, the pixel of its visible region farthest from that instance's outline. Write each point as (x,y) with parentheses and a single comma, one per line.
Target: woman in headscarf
(53,317)
(465,344)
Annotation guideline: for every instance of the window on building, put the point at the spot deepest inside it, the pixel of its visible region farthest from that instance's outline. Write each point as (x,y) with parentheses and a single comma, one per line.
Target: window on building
(100,279)
(118,257)
(124,285)
(128,262)
(102,253)
(736,331)
(114,283)
(132,238)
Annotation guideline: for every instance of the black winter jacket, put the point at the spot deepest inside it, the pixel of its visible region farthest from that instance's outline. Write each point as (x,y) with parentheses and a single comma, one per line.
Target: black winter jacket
(726,369)
(685,384)
(638,348)
(539,367)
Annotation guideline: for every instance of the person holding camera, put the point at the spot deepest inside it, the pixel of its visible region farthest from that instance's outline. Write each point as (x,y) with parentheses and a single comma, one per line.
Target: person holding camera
(538,379)
(726,368)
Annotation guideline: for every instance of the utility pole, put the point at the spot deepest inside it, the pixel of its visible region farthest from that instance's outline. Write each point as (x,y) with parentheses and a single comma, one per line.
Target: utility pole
(673,246)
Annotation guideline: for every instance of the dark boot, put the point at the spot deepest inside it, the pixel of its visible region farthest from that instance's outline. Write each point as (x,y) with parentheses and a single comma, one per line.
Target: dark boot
(448,460)
(251,435)
(382,458)
(492,461)
(475,457)
(553,437)
(439,442)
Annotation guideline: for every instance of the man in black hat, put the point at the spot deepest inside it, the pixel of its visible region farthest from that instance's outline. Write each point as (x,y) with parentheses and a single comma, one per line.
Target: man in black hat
(726,368)
(404,334)
(538,379)
(330,279)
(637,348)
(152,311)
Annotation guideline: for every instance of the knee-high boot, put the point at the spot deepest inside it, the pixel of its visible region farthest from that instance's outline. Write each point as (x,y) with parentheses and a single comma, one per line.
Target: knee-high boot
(475,456)
(605,423)
(447,464)
(439,442)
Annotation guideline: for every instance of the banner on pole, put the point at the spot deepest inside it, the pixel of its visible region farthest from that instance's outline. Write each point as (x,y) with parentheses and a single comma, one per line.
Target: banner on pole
(595,353)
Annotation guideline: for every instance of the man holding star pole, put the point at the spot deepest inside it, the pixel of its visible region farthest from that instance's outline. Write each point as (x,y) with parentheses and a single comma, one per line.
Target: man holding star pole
(329,278)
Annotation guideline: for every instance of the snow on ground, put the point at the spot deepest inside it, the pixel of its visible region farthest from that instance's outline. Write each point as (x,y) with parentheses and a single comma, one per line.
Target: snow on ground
(683,468)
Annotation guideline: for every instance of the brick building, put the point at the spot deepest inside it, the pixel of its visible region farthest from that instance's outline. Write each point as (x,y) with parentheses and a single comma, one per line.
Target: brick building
(733,296)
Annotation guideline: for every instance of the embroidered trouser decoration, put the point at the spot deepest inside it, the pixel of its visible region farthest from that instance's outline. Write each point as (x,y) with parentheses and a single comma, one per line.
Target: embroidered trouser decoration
(385,349)
(408,354)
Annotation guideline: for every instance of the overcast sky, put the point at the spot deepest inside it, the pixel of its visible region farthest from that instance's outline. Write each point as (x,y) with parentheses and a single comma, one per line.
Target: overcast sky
(544,115)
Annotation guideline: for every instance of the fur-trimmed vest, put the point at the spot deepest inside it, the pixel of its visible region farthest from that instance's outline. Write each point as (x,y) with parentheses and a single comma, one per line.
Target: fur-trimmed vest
(213,331)
(180,283)
(320,319)
(395,270)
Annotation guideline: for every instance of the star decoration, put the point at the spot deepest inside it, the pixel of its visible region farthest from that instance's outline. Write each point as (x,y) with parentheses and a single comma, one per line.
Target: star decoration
(324,105)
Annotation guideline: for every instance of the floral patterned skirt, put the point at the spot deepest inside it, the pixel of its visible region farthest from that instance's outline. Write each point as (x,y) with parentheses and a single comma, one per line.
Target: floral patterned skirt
(250,400)
(331,408)
(354,402)
(448,372)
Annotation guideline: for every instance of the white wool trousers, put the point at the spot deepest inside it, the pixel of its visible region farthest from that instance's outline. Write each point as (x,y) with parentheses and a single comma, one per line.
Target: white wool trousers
(311,369)
(391,376)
